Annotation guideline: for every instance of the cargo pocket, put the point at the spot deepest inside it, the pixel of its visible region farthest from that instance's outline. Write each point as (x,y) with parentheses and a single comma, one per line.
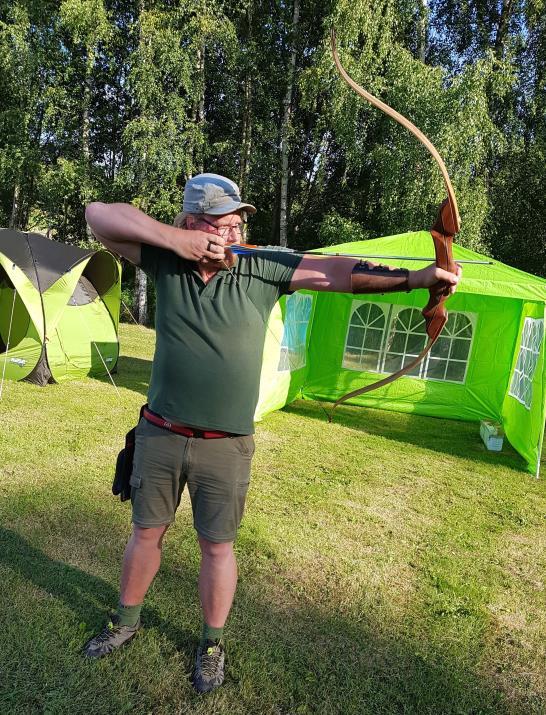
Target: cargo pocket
(135,483)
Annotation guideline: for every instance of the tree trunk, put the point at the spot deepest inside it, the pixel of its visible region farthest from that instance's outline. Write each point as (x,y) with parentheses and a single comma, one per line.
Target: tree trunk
(86,151)
(502,28)
(422,30)
(89,65)
(15,206)
(285,130)
(199,110)
(246,138)
(140,297)
(318,160)
(246,141)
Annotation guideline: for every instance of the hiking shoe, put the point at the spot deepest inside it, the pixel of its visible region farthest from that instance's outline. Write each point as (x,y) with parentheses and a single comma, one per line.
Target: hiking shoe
(209,667)
(111,637)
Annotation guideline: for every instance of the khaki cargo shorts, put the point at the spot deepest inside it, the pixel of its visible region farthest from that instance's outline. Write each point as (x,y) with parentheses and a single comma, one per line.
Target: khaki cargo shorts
(217,472)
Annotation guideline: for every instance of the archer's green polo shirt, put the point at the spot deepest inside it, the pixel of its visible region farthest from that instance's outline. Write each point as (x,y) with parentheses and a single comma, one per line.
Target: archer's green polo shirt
(210,337)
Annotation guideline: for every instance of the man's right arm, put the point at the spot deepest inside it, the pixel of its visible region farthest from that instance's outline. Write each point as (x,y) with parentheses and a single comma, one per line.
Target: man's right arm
(122,228)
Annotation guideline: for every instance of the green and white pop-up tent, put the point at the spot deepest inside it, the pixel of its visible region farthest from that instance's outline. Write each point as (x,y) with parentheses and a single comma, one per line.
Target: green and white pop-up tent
(59,309)
(488,363)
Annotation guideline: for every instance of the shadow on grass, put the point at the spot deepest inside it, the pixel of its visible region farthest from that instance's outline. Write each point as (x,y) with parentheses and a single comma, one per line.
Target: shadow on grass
(131,373)
(460,439)
(329,663)
(88,597)
(287,656)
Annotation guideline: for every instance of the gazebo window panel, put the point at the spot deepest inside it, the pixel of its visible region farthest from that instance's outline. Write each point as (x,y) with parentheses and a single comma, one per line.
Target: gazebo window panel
(365,337)
(407,339)
(521,386)
(385,338)
(294,339)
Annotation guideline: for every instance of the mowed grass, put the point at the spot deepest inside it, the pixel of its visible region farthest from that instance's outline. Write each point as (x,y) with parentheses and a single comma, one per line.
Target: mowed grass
(388,564)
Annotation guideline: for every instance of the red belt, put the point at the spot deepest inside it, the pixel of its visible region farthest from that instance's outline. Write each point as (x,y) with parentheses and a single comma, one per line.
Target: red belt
(181,429)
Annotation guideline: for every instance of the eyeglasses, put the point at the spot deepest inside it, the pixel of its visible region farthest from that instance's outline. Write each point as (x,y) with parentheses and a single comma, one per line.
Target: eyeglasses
(238,231)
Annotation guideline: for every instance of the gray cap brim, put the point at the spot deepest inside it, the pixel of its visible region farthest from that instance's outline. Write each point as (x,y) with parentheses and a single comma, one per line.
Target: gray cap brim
(229,207)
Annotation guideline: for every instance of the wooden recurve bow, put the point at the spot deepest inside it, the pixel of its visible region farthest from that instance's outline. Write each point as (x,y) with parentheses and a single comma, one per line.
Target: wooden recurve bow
(447,224)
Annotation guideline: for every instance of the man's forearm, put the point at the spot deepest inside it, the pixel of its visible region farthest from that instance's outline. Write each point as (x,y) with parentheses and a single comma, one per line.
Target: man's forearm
(370,278)
(123,223)
(343,275)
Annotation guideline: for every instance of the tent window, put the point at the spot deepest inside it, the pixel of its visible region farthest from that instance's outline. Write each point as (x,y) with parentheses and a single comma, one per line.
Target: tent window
(521,386)
(84,292)
(365,337)
(294,339)
(102,272)
(384,338)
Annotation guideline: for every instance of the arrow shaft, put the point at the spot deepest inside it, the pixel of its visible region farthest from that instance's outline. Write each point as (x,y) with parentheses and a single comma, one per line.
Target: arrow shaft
(247,248)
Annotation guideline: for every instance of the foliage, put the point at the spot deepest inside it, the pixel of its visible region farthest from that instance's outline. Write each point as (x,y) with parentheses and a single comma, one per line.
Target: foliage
(336,229)
(123,100)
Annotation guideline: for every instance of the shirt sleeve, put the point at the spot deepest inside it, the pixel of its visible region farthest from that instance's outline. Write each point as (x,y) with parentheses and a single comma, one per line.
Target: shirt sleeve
(279,270)
(274,275)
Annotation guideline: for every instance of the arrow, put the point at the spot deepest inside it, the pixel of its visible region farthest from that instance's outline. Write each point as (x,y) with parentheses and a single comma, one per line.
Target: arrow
(242,249)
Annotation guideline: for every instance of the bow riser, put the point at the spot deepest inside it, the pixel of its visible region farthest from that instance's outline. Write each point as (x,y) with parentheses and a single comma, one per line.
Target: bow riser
(434,312)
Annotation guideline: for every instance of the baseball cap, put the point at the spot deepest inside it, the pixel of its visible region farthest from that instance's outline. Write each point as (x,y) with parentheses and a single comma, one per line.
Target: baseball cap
(213,194)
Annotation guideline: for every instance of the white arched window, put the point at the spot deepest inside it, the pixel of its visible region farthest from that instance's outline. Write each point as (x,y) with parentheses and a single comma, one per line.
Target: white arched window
(385,338)
(365,337)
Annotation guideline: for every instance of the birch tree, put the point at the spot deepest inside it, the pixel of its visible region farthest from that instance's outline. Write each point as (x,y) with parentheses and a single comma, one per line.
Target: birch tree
(286,125)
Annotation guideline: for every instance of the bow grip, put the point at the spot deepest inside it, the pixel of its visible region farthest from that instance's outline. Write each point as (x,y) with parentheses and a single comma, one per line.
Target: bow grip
(442,233)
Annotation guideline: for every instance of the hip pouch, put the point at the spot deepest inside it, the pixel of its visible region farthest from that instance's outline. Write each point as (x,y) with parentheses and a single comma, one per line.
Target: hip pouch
(124,466)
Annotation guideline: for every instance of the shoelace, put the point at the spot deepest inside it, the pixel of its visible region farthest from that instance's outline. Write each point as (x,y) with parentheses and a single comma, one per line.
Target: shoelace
(209,660)
(109,630)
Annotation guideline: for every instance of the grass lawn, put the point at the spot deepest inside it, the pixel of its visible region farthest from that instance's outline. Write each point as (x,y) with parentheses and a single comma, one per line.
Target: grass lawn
(388,564)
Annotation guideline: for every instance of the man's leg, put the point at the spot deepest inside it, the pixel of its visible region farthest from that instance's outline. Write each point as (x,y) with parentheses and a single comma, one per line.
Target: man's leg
(140,565)
(217,581)
(217,483)
(156,487)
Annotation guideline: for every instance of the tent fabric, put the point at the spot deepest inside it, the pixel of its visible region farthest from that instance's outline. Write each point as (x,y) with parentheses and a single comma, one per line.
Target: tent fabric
(497,279)
(59,307)
(40,259)
(20,309)
(470,371)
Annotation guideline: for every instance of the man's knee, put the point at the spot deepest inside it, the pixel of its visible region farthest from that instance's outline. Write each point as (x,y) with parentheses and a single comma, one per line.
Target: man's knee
(153,535)
(212,550)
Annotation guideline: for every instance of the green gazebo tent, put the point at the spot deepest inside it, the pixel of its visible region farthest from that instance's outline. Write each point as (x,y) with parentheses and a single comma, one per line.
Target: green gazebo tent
(488,363)
(59,309)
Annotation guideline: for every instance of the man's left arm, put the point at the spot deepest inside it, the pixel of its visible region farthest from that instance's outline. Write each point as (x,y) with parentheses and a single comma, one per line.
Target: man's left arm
(341,274)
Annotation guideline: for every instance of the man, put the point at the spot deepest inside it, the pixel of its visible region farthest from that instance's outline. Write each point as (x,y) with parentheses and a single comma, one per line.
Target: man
(211,315)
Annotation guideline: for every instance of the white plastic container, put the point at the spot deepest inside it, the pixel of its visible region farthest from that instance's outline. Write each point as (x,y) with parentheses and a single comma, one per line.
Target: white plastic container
(492,435)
